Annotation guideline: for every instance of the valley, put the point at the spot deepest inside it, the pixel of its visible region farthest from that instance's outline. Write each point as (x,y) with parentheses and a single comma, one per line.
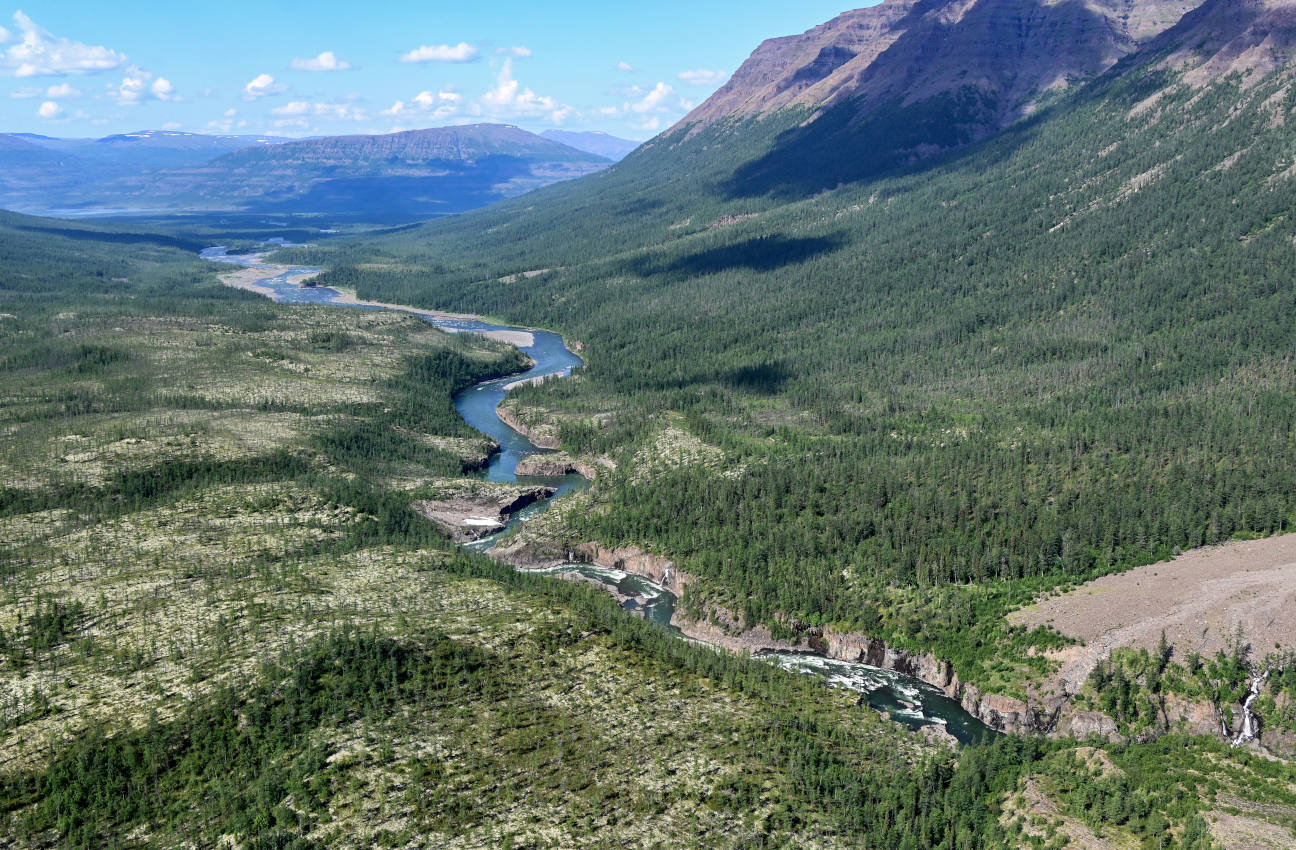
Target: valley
(894,451)
(481,513)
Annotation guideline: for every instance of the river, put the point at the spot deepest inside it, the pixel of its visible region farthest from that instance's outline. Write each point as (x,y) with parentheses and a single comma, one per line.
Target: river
(907,700)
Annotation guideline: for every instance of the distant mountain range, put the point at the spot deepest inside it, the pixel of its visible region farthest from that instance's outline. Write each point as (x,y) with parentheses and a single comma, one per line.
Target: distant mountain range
(597,143)
(419,173)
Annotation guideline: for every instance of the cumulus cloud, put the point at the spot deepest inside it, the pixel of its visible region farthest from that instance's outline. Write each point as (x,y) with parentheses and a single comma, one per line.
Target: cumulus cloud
(140,85)
(38,53)
(627,67)
(435,106)
(49,109)
(341,112)
(518,51)
(61,90)
(461,52)
(510,99)
(131,90)
(655,100)
(703,77)
(326,61)
(297,107)
(647,106)
(227,124)
(5,36)
(262,85)
(336,111)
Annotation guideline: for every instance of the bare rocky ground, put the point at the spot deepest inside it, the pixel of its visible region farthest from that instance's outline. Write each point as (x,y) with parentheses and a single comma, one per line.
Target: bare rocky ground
(469,510)
(1199,599)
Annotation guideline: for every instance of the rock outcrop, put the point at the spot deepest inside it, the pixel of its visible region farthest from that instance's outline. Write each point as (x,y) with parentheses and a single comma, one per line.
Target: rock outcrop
(538,439)
(469,516)
(632,559)
(558,463)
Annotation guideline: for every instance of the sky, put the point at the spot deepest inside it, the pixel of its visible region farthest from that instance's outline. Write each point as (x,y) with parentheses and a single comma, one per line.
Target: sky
(85,68)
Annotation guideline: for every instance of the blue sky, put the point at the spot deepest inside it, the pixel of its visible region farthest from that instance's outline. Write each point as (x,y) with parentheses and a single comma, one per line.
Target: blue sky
(294,68)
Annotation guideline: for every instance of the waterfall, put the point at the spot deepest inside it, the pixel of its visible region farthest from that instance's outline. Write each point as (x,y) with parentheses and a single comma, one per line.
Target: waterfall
(1250,730)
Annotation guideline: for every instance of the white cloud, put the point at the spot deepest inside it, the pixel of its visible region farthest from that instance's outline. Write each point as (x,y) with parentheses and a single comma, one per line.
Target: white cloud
(326,61)
(518,51)
(703,77)
(655,100)
(226,124)
(26,94)
(627,67)
(297,107)
(341,112)
(262,85)
(461,52)
(5,36)
(336,111)
(509,99)
(140,85)
(438,107)
(41,54)
(49,109)
(131,89)
(61,90)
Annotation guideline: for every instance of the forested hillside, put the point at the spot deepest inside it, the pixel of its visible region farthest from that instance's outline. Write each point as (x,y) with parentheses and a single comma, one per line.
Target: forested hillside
(222,621)
(922,397)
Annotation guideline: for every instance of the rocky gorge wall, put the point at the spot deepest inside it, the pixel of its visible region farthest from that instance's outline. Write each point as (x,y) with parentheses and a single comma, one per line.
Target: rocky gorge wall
(1052,714)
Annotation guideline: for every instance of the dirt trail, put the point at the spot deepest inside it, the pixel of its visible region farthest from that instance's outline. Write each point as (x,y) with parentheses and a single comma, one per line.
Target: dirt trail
(1199,599)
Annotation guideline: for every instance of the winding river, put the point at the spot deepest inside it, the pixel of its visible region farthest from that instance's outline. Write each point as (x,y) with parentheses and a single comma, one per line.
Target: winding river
(907,700)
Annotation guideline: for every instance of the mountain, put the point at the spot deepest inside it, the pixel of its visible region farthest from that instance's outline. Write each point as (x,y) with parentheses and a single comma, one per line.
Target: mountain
(414,174)
(910,78)
(419,173)
(416,147)
(598,143)
(21,152)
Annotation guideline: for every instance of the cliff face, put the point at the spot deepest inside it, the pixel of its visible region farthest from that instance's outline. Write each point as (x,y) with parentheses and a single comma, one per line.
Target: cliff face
(1007,52)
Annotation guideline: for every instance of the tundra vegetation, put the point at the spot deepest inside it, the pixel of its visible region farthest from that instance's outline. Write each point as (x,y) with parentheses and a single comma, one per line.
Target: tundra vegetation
(222,623)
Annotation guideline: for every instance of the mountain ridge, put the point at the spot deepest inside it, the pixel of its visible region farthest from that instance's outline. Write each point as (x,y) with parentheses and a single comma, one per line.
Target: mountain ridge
(409,175)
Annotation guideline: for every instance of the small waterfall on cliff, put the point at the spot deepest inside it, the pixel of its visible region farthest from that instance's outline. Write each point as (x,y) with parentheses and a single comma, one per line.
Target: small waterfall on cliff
(1251,724)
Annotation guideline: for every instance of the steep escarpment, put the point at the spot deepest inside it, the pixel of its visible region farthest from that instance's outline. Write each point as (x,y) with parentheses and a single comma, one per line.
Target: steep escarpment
(933,74)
